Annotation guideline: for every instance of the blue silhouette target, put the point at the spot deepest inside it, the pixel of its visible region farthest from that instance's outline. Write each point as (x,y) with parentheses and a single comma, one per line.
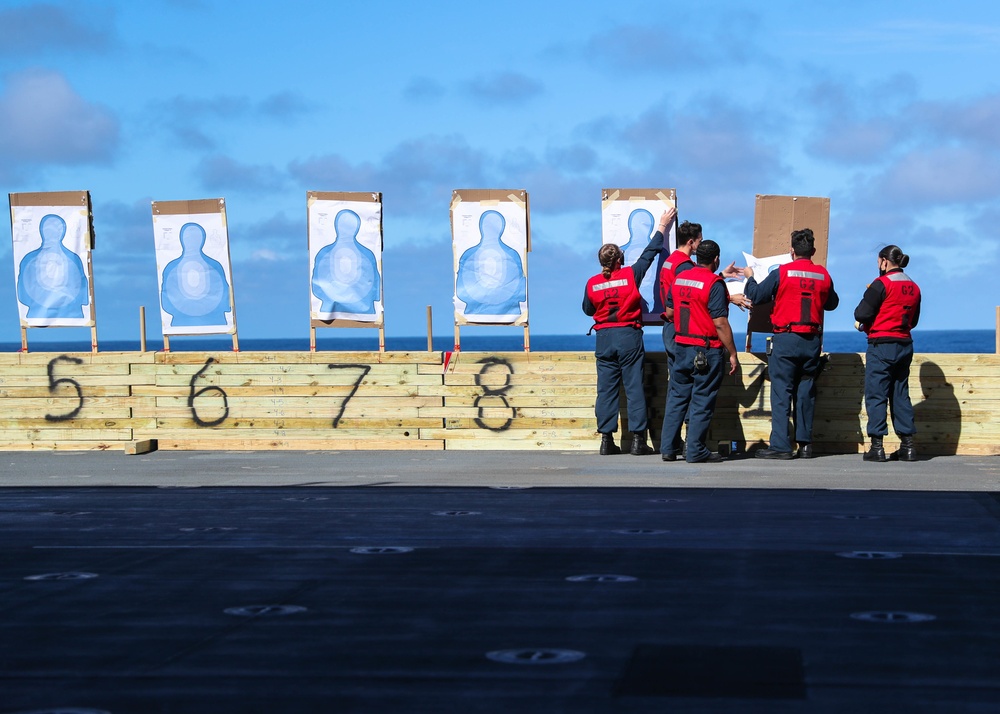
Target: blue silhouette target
(345,275)
(638,216)
(194,289)
(193,267)
(490,278)
(52,281)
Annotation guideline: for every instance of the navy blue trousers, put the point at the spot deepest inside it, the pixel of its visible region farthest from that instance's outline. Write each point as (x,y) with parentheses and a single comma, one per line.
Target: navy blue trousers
(668,447)
(619,355)
(793,367)
(887,375)
(692,395)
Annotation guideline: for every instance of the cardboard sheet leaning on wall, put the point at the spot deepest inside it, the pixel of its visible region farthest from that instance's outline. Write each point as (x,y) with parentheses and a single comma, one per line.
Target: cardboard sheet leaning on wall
(628,219)
(775,217)
(193,266)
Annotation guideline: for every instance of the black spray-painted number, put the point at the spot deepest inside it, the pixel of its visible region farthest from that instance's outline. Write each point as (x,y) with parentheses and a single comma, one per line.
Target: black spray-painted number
(54,384)
(192,395)
(489,363)
(364,370)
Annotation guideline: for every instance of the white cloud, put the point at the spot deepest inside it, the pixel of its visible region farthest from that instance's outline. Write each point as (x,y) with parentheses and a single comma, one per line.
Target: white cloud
(44,121)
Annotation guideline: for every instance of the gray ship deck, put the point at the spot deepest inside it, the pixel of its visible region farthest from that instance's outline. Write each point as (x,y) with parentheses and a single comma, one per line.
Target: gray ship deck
(496,581)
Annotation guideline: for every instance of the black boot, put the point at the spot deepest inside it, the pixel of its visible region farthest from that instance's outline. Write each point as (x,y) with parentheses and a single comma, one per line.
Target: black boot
(608,445)
(639,445)
(875,452)
(906,451)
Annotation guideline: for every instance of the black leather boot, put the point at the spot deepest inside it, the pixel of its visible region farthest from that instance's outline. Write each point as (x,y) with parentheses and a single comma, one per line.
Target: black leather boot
(639,445)
(875,452)
(906,451)
(608,445)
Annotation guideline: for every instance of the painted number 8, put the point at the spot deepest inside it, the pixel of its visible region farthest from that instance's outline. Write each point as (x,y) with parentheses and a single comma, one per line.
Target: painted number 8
(493,393)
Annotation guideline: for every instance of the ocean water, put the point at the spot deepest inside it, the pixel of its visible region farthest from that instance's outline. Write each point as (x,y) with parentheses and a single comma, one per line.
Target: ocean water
(927,341)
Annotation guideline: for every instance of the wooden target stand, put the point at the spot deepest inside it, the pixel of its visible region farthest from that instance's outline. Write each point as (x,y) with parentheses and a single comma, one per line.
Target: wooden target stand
(379,322)
(196,207)
(313,324)
(775,218)
(60,199)
(489,198)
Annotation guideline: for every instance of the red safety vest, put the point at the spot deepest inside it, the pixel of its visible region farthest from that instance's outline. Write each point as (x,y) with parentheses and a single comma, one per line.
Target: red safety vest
(803,288)
(669,272)
(617,299)
(693,324)
(895,316)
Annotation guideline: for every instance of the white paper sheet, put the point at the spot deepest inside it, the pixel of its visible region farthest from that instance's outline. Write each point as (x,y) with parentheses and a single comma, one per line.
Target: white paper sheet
(630,224)
(193,274)
(345,260)
(52,265)
(490,245)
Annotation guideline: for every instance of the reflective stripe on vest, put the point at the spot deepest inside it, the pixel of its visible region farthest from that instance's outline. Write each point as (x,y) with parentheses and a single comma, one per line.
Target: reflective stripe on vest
(895,315)
(616,298)
(803,288)
(692,321)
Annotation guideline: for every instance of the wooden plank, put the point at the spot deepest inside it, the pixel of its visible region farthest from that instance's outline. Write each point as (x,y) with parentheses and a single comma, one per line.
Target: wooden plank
(469,411)
(85,380)
(14,404)
(519,379)
(143,446)
(327,414)
(90,392)
(500,444)
(487,437)
(219,434)
(321,424)
(512,392)
(29,374)
(583,368)
(321,391)
(496,418)
(59,445)
(318,357)
(332,378)
(521,402)
(256,369)
(467,357)
(62,433)
(264,444)
(318,402)
(82,421)
(86,358)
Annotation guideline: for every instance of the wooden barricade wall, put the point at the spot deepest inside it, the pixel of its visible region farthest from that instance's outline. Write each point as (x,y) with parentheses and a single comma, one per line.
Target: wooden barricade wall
(402,400)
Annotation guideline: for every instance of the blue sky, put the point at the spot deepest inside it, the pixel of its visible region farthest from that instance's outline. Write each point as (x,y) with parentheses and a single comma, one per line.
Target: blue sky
(890,109)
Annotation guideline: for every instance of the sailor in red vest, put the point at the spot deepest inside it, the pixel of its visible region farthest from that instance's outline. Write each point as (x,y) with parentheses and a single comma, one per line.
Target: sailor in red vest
(801,291)
(888,311)
(698,304)
(612,298)
(689,237)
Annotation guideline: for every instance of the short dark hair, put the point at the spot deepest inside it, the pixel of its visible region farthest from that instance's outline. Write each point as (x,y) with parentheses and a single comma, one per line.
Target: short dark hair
(707,252)
(687,232)
(803,243)
(895,255)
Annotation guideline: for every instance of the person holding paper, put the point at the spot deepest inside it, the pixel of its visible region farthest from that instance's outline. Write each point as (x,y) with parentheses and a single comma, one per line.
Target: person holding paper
(698,305)
(801,291)
(888,311)
(612,298)
(689,237)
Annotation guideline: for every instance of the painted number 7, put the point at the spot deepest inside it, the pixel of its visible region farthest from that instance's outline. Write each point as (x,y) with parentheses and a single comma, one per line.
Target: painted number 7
(364,369)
